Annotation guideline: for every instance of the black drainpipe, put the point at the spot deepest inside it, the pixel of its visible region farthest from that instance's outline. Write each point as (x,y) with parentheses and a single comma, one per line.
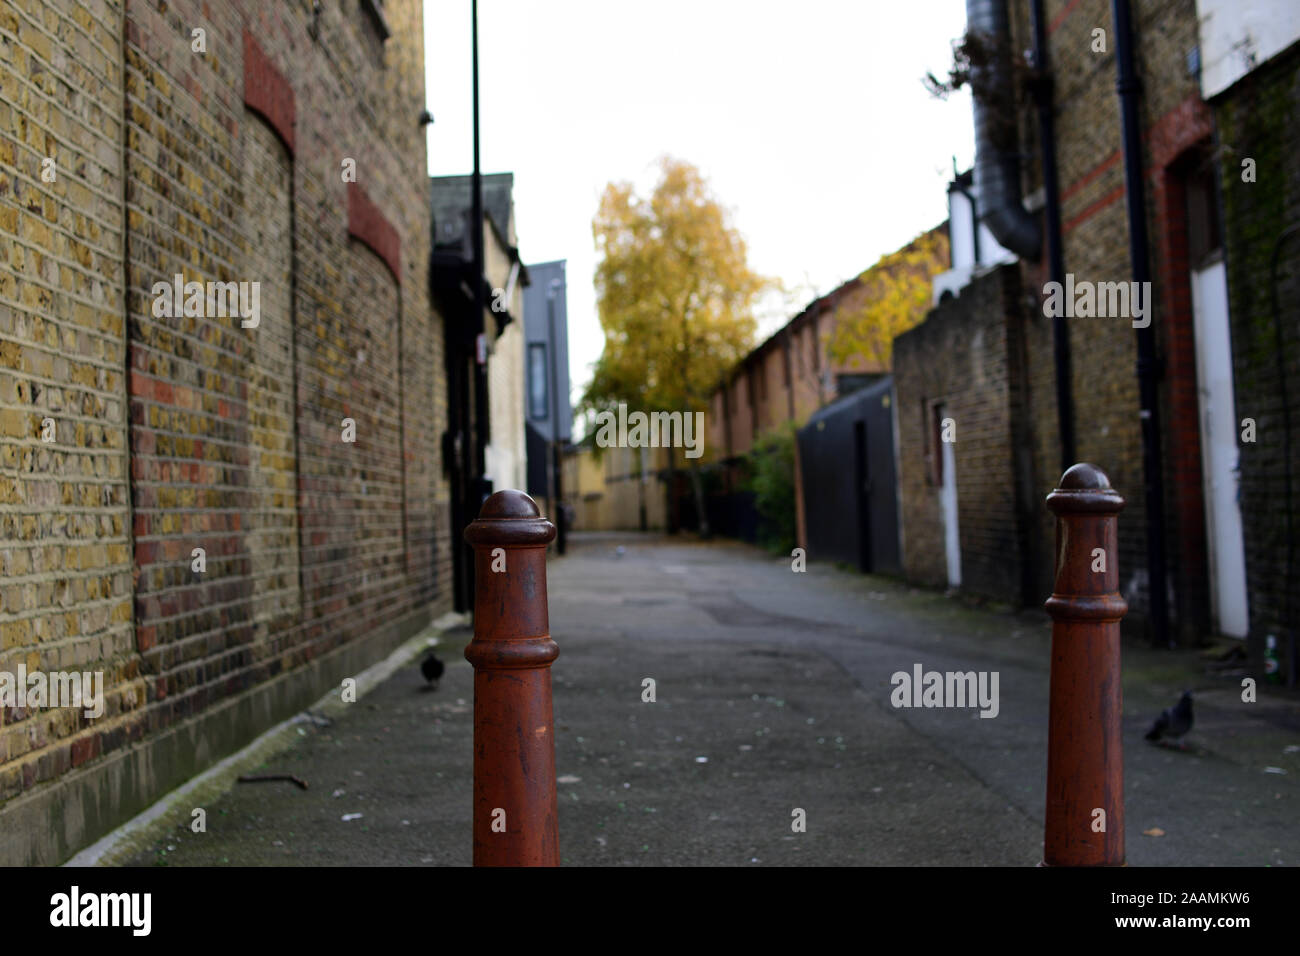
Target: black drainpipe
(997,163)
(1148,366)
(1055,253)
(997,178)
(482,429)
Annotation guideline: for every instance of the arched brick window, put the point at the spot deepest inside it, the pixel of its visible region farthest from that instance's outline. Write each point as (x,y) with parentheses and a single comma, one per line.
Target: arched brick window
(271,512)
(269,519)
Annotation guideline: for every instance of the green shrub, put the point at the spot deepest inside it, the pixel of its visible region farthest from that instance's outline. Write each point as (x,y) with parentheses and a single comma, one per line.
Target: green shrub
(772,482)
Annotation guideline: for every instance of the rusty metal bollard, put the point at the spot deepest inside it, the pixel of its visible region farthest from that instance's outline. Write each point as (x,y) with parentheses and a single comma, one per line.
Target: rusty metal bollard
(1085,759)
(512,651)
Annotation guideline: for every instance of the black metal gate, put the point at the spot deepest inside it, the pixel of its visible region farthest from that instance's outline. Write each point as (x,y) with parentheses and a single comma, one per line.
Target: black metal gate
(850,495)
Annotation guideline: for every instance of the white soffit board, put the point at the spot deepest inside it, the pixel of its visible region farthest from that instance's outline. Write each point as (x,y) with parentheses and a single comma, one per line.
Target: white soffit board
(1236,36)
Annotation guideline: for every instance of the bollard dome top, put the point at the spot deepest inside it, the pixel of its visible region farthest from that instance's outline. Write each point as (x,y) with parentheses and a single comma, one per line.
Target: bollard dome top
(1085,489)
(510,517)
(509,503)
(1084,475)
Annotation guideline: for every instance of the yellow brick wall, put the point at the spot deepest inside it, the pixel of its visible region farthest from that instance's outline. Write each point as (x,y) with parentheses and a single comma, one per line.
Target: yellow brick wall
(65,547)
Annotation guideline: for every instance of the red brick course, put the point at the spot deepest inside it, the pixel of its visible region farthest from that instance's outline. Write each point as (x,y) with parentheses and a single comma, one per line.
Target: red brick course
(367,223)
(266,90)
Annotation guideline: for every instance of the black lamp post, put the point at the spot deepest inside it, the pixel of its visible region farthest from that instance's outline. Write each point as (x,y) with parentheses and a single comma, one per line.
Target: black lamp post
(556,462)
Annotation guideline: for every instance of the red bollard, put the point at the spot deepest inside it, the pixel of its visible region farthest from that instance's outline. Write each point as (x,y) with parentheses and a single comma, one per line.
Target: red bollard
(512,651)
(1085,759)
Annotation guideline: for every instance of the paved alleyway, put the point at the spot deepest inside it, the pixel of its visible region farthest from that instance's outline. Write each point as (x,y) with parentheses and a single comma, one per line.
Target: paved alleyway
(773,693)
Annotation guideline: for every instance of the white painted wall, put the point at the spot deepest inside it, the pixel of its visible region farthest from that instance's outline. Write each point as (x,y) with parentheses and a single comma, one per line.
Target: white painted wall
(1219,450)
(961,227)
(1236,36)
(965,264)
(948,506)
(505,457)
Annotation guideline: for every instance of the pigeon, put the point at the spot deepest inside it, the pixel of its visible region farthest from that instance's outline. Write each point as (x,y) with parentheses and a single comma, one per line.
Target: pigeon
(1174,721)
(432,669)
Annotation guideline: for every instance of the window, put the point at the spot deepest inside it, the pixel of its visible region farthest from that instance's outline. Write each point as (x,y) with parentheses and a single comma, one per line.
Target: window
(1204,231)
(538,399)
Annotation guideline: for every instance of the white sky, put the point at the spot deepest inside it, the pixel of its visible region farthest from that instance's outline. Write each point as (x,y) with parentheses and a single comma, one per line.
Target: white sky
(808,117)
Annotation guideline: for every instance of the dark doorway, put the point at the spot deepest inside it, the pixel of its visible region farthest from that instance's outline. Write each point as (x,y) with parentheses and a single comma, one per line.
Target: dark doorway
(862,482)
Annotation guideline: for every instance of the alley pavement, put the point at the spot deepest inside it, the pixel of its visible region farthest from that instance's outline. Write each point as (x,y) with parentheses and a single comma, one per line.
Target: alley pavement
(772,696)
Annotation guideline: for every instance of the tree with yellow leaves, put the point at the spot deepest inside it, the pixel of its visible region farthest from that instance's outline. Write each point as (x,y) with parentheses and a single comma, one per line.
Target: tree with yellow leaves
(896,297)
(675,296)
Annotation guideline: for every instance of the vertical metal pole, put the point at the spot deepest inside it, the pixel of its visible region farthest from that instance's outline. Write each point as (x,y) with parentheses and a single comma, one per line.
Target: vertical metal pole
(482,420)
(555,462)
(512,652)
(1043,94)
(1148,364)
(1085,760)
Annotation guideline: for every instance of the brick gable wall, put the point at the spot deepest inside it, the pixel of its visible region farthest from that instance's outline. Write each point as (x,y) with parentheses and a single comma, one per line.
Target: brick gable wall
(179,432)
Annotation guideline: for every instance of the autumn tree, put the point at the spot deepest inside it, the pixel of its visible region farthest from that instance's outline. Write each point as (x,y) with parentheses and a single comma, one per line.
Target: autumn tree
(896,297)
(675,296)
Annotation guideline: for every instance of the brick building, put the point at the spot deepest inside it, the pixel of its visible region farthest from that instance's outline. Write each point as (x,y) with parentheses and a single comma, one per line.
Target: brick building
(960,375)
(1251,80)
(793,373)
(452,281)
(1103,352)
(1000,322)
(547,408)
(184,508)
(617,489)
(784,379)
(790,375)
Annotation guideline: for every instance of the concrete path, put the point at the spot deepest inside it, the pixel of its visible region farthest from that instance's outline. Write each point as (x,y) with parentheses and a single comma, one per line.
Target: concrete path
(772,695)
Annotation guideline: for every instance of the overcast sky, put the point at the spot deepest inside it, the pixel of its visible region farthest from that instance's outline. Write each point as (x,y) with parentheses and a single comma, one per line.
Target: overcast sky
(808,118)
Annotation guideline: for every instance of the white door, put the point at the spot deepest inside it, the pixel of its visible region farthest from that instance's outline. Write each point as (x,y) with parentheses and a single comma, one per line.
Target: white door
(1219,449)
(948,503)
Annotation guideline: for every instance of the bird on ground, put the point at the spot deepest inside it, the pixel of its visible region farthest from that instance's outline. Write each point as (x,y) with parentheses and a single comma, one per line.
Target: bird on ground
(1174,721)
(432,669)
